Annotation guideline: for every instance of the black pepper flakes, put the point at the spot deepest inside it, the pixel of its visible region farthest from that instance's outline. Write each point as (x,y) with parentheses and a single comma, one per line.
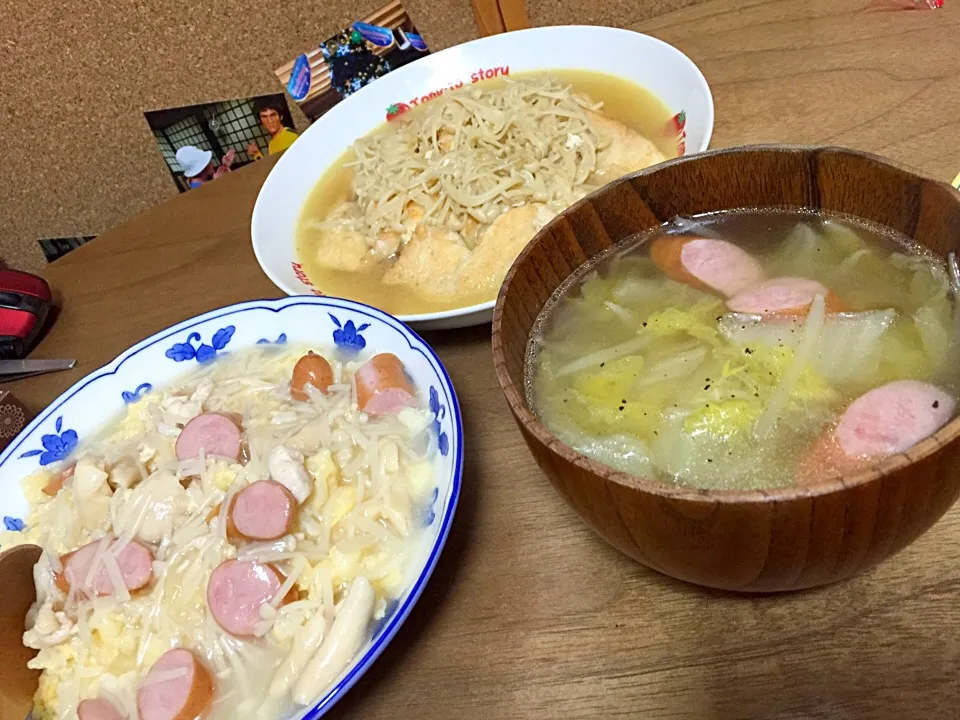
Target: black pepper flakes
(707,386)
(644,323)
(602,364)
(709,459)
(748,351)
(936,403)
(621,408)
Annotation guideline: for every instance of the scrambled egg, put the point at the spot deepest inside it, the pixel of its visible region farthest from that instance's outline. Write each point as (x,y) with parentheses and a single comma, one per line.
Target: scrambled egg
(135,423)
(45,699)
(219,475)
(342,500)
(111,650)
(325,475)
(420,479)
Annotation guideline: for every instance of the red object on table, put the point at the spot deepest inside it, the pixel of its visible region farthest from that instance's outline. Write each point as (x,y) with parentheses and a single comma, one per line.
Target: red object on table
(25,302)
(884,5)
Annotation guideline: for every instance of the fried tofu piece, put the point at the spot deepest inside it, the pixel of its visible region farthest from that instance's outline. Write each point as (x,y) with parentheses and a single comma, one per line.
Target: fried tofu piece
(500,245)
(429,263)
(627,152)
(341,248)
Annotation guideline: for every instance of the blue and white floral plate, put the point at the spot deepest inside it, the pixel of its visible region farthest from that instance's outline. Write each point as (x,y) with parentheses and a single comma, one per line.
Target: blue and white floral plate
(161,359)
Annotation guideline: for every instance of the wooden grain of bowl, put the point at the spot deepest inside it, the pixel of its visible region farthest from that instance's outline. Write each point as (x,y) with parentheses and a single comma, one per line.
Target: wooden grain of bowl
(759,541)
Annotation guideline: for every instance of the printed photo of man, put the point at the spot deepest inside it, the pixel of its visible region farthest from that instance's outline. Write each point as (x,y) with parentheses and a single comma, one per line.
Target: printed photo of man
(199,143)
(271,115)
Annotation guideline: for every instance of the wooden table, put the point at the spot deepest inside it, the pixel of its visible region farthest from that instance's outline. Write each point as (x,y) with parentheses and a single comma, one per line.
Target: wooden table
(529,615)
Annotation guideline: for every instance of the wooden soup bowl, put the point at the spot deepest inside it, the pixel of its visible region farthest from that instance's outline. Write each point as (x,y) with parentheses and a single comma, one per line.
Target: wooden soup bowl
(757,541)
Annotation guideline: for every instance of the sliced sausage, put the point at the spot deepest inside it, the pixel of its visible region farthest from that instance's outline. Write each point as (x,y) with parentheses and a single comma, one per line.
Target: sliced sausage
(707,264)
(264,510)
(311,369)
(383,386)
(98,709)
(784,296)
(237,590)
(135,562)
(178,687)
(214,433)
(886,420)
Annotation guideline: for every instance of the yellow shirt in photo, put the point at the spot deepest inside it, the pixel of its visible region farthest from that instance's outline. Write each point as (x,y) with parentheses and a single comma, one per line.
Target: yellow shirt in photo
(281,141)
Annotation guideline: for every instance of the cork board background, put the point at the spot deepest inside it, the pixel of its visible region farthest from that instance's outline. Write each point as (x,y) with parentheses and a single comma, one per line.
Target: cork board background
(75,79)
(616,13)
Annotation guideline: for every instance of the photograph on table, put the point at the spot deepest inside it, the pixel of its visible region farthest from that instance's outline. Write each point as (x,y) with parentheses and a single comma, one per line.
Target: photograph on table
(56,248)
(200,143)
(356,56)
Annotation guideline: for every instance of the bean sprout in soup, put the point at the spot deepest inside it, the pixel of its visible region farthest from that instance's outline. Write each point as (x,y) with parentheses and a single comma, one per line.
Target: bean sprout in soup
(227,548)
(428,212)
(750,349)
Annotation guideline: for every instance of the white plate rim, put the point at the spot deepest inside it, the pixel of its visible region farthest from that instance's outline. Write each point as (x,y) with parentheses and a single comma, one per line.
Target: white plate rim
(485,308)
(391,626)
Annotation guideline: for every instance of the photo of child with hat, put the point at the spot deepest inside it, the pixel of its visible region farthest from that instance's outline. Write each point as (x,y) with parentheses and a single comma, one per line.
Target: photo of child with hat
(200,143)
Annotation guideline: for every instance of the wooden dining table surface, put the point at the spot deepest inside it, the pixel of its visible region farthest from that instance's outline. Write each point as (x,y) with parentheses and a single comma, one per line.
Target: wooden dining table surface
(529,614)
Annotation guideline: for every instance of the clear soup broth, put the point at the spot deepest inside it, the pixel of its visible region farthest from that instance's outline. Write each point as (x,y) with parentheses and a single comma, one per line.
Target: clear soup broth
(749,349)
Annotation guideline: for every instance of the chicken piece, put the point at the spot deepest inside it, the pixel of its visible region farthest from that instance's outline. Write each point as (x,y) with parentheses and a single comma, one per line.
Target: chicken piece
(153,509)
(471,229)
(627,152)
(286,467)
(415,213)
(445,139)
(500,245)
(389,242)
(51,628)
(182,406)
(124,473)
(429,263)
(91,493)
(341,248)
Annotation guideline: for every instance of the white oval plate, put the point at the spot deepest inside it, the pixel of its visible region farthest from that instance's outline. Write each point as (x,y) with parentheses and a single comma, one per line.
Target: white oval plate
(646,61)
(161,359)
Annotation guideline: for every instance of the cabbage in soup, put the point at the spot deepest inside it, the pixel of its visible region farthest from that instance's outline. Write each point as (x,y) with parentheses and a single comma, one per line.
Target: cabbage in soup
(749,349)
